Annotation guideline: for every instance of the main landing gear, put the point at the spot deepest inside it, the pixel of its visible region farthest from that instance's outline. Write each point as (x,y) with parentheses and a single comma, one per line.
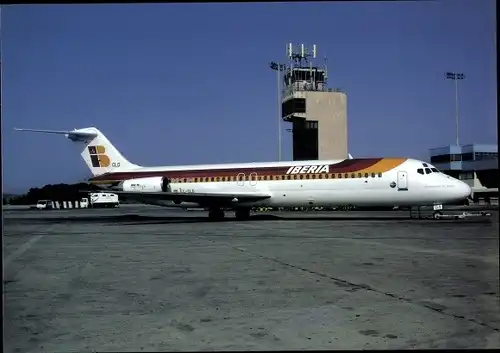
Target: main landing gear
(217,214)
(242,214)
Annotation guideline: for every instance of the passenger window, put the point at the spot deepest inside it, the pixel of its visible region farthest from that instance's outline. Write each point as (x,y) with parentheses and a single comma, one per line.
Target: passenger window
(346,175)
(360,175)
(380,175)
(420,171)
(307,176)
(353,175)
(339,176)
(366,175)
(320,176)
(373,175)
(314,176)
(427,171)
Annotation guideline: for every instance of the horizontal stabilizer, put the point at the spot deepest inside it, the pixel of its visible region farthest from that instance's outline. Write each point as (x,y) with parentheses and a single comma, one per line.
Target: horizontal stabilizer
(75,135)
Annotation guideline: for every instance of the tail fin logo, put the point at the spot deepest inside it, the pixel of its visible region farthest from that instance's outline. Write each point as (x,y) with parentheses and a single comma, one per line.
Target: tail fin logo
(99,157)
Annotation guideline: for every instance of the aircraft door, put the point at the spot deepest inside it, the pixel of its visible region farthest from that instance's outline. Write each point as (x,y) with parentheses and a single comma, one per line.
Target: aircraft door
(253,179)
(240,179)
(402,180)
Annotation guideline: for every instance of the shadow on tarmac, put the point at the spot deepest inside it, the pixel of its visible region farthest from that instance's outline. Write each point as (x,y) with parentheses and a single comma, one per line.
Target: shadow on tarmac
(135,219)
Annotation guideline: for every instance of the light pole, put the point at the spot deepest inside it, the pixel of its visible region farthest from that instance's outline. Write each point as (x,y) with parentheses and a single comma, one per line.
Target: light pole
(455,76)
(278,68)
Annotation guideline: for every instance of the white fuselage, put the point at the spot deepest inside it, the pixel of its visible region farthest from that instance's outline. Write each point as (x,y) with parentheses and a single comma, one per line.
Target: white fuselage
(401,186)
(359,182)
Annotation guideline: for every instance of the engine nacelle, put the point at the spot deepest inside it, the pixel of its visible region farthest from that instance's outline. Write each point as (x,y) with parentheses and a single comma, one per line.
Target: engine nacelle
(152,184)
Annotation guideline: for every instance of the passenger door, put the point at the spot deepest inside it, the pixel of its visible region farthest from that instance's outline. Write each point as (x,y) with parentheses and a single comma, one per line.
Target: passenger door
(240,179)
(402,181)
(253,179)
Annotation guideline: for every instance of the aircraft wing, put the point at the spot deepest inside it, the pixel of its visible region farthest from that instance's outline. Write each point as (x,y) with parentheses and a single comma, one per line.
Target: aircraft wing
(203,199)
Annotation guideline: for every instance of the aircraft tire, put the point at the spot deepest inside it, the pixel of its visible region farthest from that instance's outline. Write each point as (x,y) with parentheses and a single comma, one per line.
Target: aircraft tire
(216,214)
(242,214)
(437,215)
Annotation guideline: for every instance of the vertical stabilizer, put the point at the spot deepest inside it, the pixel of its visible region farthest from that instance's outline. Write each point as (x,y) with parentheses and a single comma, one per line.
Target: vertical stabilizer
(97,151)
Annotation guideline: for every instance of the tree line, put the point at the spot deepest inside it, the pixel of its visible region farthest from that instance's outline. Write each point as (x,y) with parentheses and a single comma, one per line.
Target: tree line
(54,192)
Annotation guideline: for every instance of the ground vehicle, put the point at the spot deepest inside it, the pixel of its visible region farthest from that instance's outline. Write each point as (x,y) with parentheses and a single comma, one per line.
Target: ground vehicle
(100,199)
(44,205)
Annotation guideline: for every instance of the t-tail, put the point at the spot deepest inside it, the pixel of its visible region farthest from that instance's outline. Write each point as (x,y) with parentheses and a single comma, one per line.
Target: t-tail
(99,154)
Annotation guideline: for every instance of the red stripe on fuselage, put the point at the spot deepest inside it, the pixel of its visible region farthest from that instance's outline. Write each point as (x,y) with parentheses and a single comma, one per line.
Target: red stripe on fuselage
(346,166)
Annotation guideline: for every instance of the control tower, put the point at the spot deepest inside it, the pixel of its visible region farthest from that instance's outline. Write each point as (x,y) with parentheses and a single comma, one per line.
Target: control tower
(318,114)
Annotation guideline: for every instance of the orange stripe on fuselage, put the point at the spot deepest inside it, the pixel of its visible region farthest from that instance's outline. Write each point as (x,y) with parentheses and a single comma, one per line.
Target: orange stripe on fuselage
(384,165)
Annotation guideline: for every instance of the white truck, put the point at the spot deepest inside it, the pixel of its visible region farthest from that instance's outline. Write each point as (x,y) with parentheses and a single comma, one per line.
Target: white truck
(45,205)
(100,199)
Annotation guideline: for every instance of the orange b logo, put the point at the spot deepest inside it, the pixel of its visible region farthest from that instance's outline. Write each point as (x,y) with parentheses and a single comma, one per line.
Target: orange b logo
(98,157)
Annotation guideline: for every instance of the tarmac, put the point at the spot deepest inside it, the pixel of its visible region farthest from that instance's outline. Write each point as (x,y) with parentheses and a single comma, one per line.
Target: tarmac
(141,278)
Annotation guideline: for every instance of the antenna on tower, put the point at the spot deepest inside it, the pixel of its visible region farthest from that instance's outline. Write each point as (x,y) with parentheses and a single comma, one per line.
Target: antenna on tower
(303,72)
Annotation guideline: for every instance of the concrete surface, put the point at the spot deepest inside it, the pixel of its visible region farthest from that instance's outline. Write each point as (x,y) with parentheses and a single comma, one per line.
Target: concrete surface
(148,279)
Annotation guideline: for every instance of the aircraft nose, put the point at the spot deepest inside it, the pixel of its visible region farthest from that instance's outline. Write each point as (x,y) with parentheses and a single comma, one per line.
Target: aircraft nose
(463,189)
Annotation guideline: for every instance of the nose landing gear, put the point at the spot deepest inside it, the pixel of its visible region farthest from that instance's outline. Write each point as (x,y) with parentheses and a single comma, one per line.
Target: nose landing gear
(438,214)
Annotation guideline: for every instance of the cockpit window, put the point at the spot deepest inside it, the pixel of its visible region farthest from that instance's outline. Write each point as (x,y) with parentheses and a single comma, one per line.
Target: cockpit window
(435,170)
(427,171)
(425,165)
(420,171)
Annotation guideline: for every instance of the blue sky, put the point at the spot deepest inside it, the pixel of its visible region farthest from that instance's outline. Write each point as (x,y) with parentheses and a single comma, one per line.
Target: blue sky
(189,83)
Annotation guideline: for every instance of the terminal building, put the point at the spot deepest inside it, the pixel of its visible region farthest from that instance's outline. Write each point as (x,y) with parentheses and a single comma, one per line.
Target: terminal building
(475,164)
(318,114)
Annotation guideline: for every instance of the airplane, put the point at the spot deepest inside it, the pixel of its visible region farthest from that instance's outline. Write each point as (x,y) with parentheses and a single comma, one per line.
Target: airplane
(242,186)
